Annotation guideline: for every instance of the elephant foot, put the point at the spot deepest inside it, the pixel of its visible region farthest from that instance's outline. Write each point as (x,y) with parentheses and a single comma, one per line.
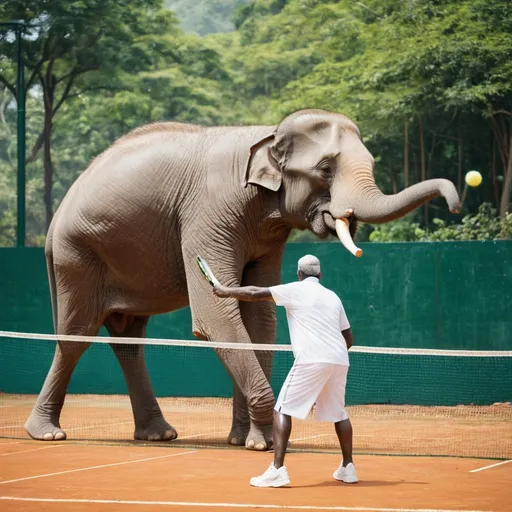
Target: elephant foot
(156,430)
(42,428)
(259,438)
(238,435)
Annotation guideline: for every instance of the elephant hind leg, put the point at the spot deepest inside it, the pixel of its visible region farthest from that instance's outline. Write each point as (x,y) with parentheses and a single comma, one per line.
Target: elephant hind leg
(44,421)
(150,424)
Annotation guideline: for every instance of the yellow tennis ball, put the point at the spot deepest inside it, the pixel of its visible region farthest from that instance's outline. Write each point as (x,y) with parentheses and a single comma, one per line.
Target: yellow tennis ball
(473,178)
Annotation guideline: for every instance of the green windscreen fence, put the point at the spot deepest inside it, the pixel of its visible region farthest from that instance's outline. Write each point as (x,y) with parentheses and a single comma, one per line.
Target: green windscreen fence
(450,296)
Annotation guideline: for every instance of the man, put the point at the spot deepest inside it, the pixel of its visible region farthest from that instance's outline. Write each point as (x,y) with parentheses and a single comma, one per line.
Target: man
(320,336)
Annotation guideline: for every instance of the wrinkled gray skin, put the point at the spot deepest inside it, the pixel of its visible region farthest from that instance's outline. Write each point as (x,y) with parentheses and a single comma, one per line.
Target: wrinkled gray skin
(123,243)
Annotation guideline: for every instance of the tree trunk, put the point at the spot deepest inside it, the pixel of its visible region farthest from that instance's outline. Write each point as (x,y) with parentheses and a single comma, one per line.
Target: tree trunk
(416,168)
(431,156)
(422,150)
(423,166)
(48,166)
(507,182)
(394,181)
(459,162)
(5,99)
(49,89)
(406,154)
(493,173)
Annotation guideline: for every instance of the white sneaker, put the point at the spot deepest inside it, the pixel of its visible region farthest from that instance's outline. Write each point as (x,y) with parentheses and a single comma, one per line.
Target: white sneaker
(272,477)
(347,475)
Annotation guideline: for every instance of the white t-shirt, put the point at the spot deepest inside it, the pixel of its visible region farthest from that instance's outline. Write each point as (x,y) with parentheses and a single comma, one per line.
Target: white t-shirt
(316,318)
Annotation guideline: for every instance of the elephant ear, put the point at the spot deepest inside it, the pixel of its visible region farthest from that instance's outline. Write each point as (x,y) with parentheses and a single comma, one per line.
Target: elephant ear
(262,168)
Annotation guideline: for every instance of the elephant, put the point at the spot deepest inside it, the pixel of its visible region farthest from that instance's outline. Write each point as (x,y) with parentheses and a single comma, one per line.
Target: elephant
(123,243)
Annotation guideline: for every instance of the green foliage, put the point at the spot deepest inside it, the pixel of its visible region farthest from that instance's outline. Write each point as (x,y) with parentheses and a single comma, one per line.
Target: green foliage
(442,66)
(297,236)
(483,225)
(207,16)
(437,70)
(403,230)
(7,229)
(138,68)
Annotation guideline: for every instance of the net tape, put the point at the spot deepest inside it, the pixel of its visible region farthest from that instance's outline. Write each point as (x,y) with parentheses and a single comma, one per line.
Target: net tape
(249,346)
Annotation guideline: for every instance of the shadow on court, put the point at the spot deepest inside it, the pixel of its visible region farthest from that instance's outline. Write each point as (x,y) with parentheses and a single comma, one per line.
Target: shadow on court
(361,483)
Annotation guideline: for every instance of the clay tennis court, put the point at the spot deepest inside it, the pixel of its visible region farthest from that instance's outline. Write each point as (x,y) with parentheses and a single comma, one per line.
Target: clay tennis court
(99,468)
(75,477)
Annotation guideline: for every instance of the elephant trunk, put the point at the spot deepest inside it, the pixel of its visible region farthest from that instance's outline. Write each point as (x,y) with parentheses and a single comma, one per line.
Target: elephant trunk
(374,207)
(356,194)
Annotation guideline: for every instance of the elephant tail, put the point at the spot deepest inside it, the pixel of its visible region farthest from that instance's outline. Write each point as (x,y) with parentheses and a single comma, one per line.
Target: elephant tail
(51,276)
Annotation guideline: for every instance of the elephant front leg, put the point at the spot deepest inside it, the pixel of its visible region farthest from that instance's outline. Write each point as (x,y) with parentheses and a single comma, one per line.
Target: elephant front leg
(221,320)
(241,422)
(253,402)
(259,319)
(260,322)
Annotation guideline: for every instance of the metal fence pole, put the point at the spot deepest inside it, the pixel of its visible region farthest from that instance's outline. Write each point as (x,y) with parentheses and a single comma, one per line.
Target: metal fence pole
(18,26)
(20,88)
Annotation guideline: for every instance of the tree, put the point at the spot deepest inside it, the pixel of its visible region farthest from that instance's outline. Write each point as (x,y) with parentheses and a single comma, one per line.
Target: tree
(429,82)
(482,225)
(206,16)
(77,47)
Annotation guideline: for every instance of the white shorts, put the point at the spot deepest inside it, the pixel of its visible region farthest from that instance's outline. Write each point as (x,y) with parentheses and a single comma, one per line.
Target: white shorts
(310,383)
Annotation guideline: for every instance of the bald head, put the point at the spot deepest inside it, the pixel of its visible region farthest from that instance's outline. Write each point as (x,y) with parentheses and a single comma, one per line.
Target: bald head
(308,266)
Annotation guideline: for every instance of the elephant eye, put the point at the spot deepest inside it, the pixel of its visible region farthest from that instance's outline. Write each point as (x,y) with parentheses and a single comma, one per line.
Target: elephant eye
(324,166)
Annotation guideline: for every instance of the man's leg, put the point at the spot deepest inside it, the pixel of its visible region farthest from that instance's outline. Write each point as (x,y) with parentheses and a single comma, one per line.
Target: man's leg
(344,432)
(281,434)
(347,471)
(277,475)
(298,394)
(330,406)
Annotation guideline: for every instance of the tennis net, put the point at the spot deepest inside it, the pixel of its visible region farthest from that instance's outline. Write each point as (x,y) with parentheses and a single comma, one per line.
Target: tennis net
(400,401)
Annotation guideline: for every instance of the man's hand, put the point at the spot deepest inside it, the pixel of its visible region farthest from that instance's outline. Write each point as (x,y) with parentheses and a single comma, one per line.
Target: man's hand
(247,293)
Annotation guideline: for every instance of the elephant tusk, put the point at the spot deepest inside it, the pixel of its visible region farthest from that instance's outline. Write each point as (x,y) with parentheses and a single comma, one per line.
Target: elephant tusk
(345,238)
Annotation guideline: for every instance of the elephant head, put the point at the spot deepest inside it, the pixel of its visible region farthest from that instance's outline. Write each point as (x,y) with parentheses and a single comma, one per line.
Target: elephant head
(317,163)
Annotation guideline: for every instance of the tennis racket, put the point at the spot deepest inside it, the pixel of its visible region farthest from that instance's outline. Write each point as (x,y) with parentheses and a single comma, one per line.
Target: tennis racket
(207,272)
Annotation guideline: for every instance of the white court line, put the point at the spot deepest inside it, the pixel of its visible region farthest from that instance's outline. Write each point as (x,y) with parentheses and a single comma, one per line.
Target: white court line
(309,437)
(32,450)
(13,426)
(230,505)
(491,466)
(200,435)
(14,442)
(96,467)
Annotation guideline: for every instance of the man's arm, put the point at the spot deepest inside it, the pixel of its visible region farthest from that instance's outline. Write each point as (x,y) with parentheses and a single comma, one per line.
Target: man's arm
(347,334)
(246,293)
